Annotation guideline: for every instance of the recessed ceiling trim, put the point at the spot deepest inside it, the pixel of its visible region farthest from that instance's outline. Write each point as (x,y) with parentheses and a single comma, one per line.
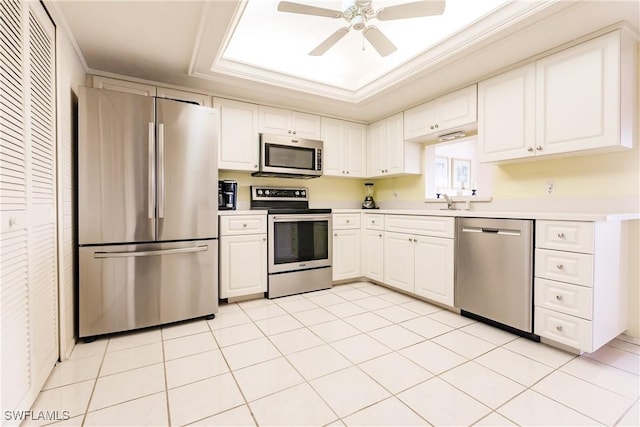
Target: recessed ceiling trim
(213,65)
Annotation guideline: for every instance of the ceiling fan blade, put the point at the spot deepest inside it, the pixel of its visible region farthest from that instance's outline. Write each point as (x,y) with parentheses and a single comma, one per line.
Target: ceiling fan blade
(329,42)
(411,10)
(287,6)
(379,41)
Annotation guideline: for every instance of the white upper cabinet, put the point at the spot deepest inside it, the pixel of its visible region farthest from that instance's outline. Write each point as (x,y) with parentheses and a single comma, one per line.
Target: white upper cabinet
(506,115)
(344,148)
(387,152)
(581,98)
(287,122)
(181,95)
(578,97)
(441,116)
(239,143)
(108,83)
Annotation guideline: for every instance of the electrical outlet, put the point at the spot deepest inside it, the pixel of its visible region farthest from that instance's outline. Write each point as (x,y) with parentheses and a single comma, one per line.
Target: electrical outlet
(550,188)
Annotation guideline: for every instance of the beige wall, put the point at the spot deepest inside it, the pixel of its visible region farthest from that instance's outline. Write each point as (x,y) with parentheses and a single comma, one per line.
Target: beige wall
(339,192)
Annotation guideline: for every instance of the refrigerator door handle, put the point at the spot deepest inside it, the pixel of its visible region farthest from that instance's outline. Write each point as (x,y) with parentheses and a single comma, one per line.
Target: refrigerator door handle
(201,248)
(161,200)
(151,185)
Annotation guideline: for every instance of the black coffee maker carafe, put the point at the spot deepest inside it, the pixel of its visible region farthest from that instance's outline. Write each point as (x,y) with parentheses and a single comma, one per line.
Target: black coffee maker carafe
(227,195)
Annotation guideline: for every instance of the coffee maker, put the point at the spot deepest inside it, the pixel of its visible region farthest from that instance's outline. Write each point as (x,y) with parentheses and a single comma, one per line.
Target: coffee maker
(227,195)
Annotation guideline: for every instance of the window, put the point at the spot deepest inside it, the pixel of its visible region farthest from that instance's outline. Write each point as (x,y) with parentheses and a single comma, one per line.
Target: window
(452,168)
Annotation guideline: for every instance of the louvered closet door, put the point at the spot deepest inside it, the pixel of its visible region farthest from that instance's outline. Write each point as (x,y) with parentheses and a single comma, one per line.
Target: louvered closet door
(28,297)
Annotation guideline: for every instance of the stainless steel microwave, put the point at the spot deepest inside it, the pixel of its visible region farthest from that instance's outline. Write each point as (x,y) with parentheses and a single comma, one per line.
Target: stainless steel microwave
(287,157)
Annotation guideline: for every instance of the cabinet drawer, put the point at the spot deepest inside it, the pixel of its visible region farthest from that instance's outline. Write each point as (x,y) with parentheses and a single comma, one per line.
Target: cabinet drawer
(242,224)
(562,328)
(346,221)
(374,221)
(566,267)
(570,236)
(436,226)
(565,298)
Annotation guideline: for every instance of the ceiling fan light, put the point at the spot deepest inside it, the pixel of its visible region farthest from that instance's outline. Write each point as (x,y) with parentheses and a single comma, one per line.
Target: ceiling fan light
(358,23)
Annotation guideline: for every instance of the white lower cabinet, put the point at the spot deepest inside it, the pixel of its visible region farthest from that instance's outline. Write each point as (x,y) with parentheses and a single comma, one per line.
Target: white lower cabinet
(346,254)
(434,269)
(418,255)
(346,246)
(243,256)
(373,247)
(399,261)
(580,286)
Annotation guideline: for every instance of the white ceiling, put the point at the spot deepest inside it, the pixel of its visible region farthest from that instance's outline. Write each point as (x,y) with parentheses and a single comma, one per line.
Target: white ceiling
(182,43)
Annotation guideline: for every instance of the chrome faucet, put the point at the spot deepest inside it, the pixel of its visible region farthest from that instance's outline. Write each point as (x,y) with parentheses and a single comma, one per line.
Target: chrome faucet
(449,201)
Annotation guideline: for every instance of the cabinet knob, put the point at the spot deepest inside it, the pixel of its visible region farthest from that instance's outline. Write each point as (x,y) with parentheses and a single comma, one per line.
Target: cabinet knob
(561,235)
(335,234)
(530,149)
(410,239)
(348,221)
(244,225)
(559,328)
(559,297)
(347,172)
(255,166)
(373,221)
(560,267)
(431,126)
(13,222)
(436,126)
(539,147)
(289,130)
(380,235)
(294,132)
(264,239)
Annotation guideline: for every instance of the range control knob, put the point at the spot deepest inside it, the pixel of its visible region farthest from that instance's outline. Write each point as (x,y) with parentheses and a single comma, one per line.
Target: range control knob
(266,192)
(303,193)
(297,193)
(259,192)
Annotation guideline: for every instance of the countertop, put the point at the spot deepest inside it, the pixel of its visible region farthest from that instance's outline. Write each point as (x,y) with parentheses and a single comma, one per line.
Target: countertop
(559,216)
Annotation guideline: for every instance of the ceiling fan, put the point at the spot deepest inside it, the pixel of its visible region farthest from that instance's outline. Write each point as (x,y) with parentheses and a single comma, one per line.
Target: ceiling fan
(358,12)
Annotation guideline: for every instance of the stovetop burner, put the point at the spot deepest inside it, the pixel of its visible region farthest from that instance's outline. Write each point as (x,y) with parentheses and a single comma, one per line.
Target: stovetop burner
(283,200)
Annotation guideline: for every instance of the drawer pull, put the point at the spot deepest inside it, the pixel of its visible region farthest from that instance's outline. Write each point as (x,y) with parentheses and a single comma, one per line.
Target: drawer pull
(335,234)
(373,221)
(559,328)
(560,267)
(379,235)
(244,225)
(348,221)
(561,235)
(559,297)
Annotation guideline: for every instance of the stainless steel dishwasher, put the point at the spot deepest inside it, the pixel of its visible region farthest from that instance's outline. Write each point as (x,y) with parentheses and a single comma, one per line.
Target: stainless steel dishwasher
(494,271)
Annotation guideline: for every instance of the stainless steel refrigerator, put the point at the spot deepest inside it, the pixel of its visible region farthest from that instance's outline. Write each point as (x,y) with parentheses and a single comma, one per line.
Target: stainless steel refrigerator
(147,211)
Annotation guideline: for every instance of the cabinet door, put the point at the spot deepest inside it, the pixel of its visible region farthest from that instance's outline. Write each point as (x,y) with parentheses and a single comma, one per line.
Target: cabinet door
(181,95)
(434,269)
(376,149)
(274,120)
(305,125)
(243,265)
(100,82)
(332,151)
(239,146)
(420,121)
(577,97)
(373,255)
(457,109)
(346,254)
(354,149)
(394,144)
(506,115)
(399,260)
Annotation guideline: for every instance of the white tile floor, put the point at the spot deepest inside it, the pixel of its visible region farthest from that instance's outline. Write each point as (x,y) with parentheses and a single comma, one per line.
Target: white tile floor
(357,354)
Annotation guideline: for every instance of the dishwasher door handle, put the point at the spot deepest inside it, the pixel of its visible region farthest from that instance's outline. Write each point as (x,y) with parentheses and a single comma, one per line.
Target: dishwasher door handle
(505,231)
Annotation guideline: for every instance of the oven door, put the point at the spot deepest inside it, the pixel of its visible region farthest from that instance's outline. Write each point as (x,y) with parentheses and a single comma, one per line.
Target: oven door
(299,242)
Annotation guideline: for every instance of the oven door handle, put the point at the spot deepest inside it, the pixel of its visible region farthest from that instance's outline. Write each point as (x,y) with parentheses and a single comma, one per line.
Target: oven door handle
(291,218)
